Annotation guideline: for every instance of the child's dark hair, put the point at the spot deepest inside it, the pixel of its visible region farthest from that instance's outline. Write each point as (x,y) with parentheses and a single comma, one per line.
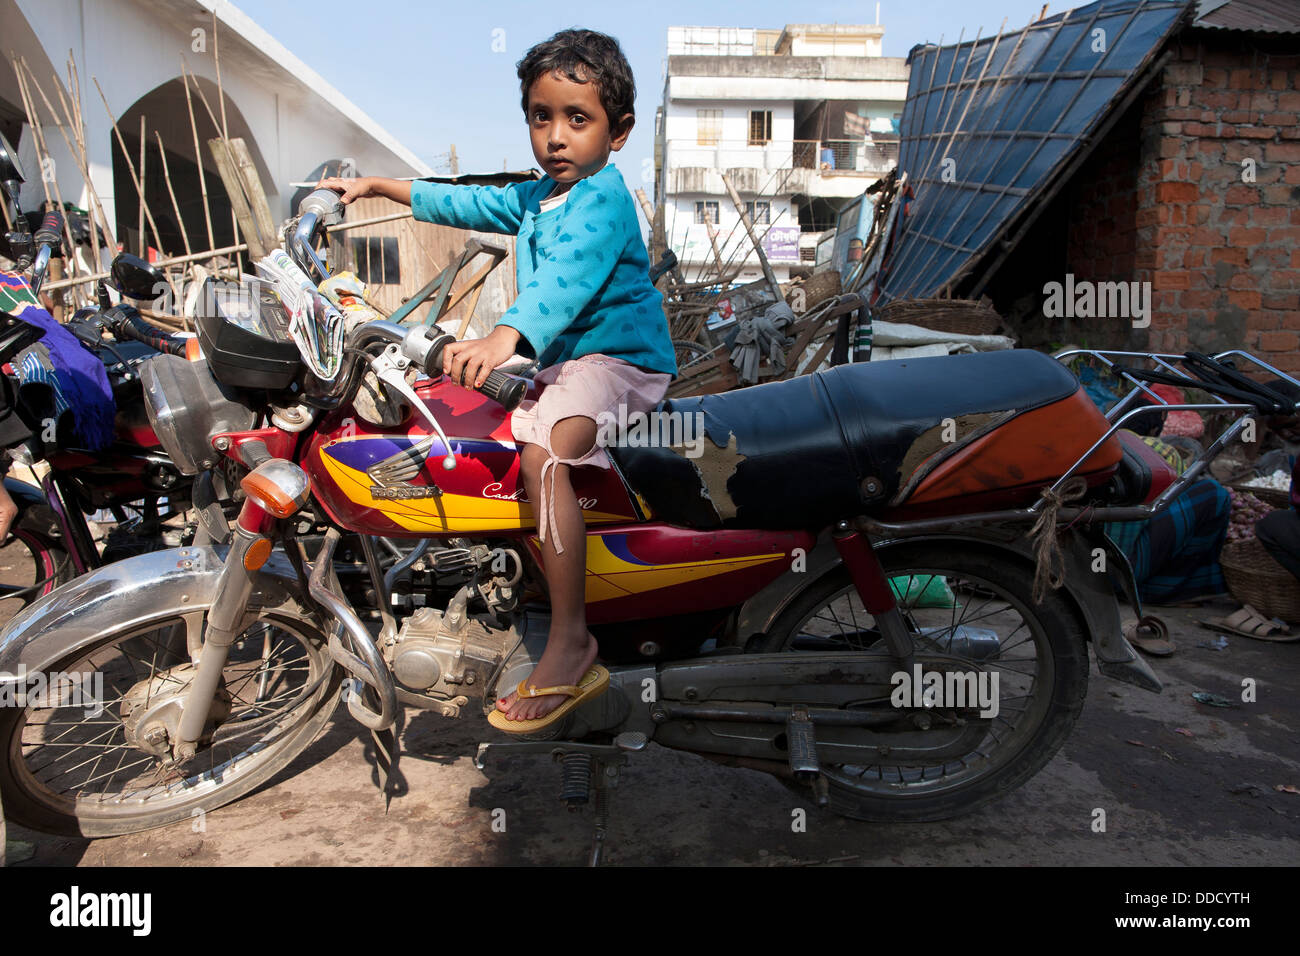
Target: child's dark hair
(583,56)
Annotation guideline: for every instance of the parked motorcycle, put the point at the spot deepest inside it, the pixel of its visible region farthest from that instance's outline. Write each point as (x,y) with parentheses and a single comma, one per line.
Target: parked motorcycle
(835,584)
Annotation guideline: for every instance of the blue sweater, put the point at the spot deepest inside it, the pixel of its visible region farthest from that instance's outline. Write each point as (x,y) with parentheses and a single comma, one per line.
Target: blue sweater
(584,283)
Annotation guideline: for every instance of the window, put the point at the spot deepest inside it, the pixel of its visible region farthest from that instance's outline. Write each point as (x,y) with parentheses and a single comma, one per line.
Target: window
(708,127)
(760,127)
(759,212)
(706,210)
(377,260)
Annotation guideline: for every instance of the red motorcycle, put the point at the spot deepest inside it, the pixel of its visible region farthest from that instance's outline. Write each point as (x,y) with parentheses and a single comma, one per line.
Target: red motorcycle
(831,578)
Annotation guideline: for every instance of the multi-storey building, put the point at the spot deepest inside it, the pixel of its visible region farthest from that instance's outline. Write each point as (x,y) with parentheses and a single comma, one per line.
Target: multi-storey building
(801,120)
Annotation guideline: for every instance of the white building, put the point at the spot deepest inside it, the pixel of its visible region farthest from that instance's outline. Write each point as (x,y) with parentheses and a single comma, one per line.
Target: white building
(801,120)
(290,118)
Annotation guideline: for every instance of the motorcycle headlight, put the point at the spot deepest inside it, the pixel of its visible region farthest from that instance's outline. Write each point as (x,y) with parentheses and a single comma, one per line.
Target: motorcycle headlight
(187,407)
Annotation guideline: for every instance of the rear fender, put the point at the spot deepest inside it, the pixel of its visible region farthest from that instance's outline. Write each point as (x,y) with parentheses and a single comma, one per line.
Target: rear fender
(1091,593)
(129,593)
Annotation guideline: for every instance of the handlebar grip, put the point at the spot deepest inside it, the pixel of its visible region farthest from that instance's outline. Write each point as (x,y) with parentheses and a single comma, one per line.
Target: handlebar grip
(501,388)
(128,324)
(51,231)
(498,386)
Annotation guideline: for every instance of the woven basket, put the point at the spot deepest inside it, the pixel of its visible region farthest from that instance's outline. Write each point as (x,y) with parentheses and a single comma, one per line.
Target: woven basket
(1254,578)
(944,315)
(1270,496)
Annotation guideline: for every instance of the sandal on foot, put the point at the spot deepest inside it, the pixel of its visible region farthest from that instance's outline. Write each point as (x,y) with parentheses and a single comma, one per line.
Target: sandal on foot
(1149,635)
(593,683)
(1248,622)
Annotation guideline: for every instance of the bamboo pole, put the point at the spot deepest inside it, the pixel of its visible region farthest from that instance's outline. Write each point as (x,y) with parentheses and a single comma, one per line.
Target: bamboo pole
(77,152)
(758,247)
(42,155)
(160,264)
(198,156)
(143,250)
(234,219)
(130,165)
(176,207)
(221,98)
(76,118)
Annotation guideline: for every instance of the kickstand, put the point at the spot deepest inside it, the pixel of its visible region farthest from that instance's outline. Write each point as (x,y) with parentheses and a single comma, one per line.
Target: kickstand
(583,767)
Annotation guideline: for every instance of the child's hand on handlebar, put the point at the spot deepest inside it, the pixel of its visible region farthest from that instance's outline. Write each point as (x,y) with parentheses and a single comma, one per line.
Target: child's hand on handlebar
(468,363)
(349,189)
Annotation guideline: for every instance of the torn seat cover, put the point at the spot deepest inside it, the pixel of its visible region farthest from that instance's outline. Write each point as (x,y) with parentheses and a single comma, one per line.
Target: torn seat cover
(857,439)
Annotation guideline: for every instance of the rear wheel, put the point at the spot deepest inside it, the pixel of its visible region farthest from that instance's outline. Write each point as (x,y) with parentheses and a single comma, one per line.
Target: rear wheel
(990,624)
(91,755)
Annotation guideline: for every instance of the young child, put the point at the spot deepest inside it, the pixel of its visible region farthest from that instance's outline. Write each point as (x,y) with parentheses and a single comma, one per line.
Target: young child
(586,310)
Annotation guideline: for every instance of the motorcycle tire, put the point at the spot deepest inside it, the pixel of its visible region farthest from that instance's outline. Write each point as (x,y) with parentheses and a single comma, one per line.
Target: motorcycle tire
(918,794)
(213,777)
(38,560)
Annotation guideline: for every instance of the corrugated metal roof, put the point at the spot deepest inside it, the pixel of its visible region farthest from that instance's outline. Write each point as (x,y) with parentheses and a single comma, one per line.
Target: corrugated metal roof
(1254,16)
(989,123)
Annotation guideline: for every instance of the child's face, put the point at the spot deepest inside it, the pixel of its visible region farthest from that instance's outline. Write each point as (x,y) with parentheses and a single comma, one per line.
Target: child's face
(569,129)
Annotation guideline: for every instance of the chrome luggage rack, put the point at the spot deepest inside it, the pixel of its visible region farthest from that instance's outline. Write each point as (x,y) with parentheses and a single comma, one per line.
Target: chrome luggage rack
(1244,397)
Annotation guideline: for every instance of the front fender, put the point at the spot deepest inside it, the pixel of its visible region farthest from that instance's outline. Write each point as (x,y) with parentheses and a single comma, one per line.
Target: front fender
(126,594)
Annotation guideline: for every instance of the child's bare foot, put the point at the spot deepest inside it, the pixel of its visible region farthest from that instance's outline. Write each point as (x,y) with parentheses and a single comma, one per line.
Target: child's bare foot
(563,662)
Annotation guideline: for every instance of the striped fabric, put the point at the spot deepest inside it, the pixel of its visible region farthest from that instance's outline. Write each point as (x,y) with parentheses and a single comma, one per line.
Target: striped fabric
(1175,554)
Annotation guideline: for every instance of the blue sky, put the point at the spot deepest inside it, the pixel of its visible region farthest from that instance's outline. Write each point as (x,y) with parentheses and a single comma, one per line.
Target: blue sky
(427,72)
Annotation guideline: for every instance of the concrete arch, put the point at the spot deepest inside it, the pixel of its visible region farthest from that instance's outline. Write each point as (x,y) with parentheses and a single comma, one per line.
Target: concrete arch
(164,111)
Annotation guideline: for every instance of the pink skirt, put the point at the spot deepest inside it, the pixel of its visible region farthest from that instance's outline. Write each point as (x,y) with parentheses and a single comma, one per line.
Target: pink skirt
(589,387)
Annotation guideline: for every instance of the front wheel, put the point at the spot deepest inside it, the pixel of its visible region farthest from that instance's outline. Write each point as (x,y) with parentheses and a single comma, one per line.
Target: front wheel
(975,610)
(88,754)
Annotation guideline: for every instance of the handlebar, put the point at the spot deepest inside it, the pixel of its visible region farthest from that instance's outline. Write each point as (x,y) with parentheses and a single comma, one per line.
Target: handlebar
(125,322)
(48,238)
(427,353)
(51,231)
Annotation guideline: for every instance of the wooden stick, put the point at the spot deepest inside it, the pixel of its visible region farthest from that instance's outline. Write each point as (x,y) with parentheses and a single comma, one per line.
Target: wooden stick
(144,253)
(176,208)
(129,165)
(76,119)
(221,97)
(77,152)
(198,155)
(222,155)
(43,154)
(216,59)
(234,219)
(161,263)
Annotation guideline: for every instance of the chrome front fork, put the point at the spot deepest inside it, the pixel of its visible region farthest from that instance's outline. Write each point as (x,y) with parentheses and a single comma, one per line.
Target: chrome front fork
(276,489)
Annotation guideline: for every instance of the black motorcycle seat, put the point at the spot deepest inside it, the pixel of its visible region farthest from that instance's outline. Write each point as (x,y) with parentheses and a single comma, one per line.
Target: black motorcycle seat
(802,453)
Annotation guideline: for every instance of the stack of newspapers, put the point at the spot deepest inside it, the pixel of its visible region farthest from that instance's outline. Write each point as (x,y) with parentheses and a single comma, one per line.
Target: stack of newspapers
(315,325)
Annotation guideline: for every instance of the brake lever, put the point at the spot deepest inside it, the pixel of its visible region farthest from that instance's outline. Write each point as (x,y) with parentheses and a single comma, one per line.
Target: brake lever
(390,368)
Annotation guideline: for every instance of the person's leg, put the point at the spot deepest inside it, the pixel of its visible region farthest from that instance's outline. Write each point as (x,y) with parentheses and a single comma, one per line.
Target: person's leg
(570,647)
(1279,533)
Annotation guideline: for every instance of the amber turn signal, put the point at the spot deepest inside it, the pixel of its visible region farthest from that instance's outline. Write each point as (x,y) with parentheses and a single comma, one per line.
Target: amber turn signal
(280,487)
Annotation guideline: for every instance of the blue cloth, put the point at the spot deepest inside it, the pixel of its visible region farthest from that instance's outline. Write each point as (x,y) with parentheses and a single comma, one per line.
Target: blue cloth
(79,374)
(1175,553)
(584,282)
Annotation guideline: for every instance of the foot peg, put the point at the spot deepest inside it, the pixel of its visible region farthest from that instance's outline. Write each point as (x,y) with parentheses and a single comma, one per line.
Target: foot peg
(801,748)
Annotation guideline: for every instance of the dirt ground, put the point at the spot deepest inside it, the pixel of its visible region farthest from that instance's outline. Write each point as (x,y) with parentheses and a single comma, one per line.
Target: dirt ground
(1181,783)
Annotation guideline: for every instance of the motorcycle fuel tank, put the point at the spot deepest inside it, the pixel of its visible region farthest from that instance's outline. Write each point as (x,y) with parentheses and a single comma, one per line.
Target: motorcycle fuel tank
(392,481)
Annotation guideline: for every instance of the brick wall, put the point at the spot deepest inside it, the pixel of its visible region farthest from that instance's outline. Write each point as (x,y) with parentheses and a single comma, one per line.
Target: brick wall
(1223,252)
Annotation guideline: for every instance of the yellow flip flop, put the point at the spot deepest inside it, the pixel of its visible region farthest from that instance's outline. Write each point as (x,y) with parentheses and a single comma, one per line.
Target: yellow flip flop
(594,683)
